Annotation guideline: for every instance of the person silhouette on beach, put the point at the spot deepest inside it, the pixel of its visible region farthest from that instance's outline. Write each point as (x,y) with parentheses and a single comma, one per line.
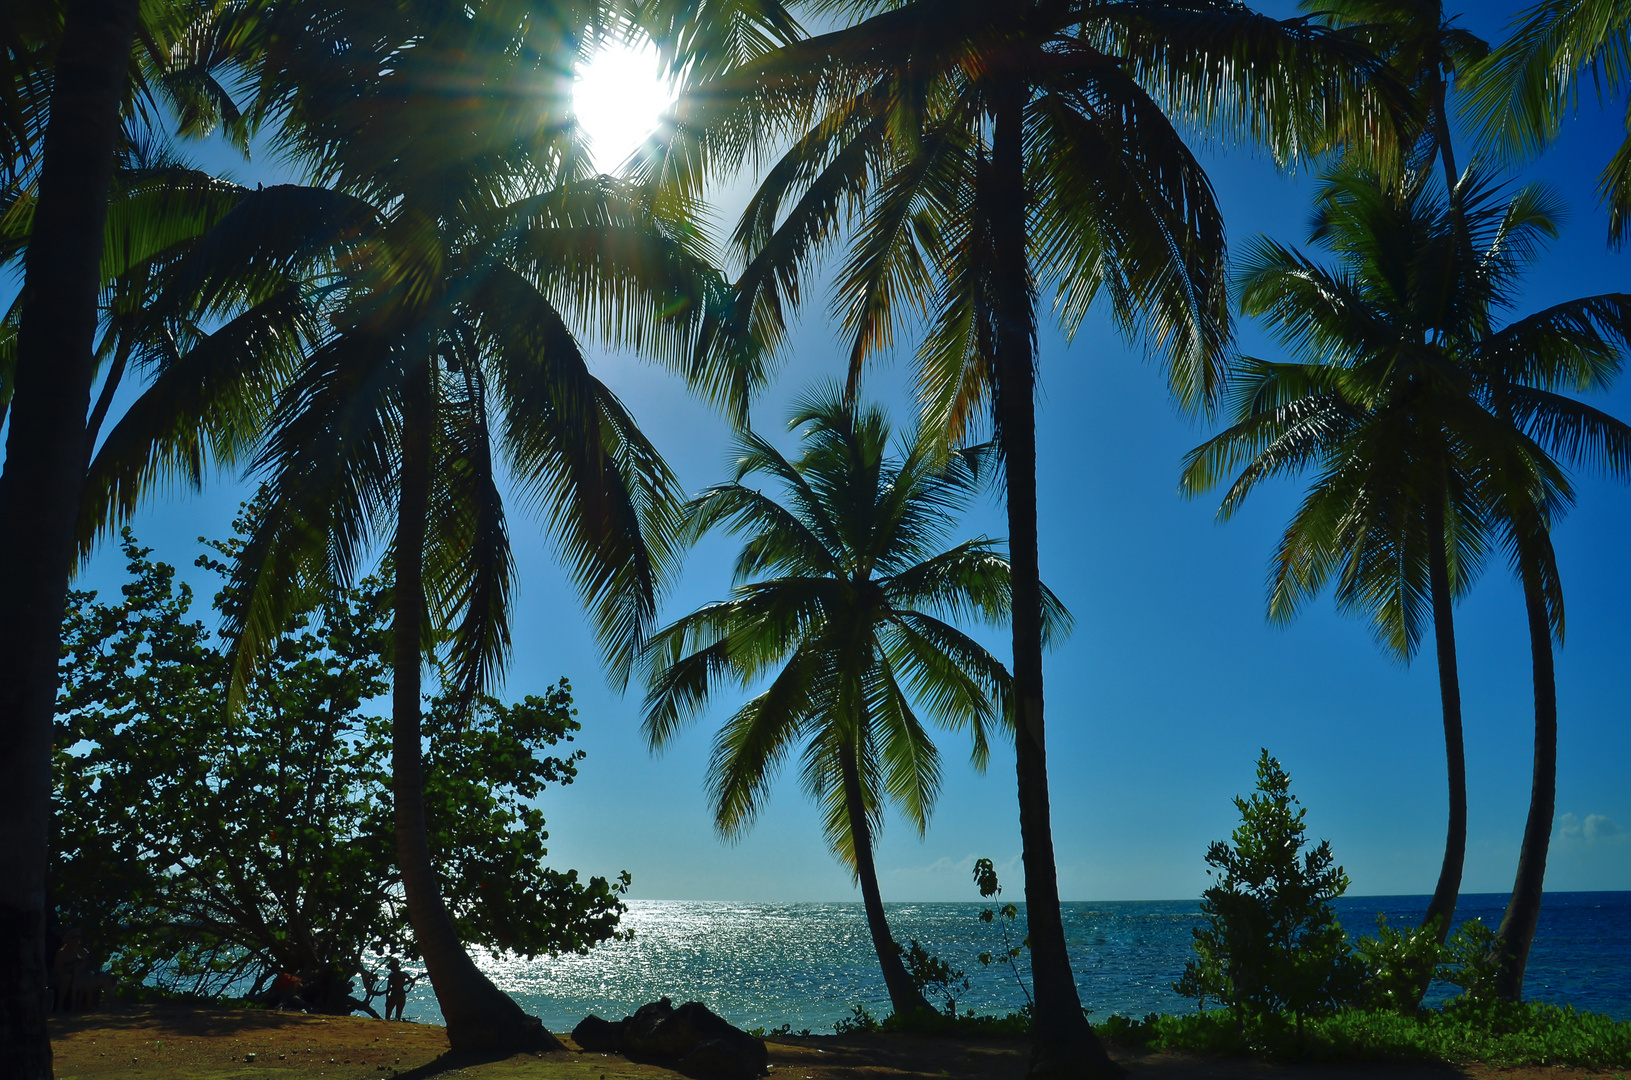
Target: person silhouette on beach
(397,985)
(65,969)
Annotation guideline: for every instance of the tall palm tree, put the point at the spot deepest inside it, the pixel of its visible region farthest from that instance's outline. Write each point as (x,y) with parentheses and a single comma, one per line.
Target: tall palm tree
(67,97)
(980,150)
(1405,406)
(841,595)
(39,488)
(1521,92)
(1580,345)
(469,237)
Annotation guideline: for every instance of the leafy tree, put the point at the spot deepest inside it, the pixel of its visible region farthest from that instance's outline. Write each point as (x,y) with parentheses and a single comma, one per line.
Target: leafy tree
(970,154)
(1272,943)
(1394,515)
(208,850)
(841,592)
(1522,91)
(1436,433)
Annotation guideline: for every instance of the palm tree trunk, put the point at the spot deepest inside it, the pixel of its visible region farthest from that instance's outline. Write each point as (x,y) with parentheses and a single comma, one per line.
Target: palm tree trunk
(1517,930)
(478,1015)
(1064,1044)
(40,488)
(1442,906)
(904,998)
(1446,151)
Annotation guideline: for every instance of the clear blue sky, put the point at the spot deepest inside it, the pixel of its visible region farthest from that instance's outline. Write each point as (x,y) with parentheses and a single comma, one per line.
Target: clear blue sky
(1158,704)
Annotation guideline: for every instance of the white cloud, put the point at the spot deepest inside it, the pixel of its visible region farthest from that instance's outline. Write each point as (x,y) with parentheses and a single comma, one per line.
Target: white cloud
(1592,827)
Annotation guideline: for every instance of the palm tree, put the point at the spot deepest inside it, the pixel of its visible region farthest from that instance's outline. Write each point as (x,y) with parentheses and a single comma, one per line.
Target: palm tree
(1522,91)
(1577,344)
(983,149)
(468,237)
(840,595)
(66,99)
(1405,406)
(1426,51)
(39,488)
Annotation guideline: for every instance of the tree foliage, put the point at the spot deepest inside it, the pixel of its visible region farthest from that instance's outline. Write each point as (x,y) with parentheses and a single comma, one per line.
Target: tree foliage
(205,851)
(1272,943)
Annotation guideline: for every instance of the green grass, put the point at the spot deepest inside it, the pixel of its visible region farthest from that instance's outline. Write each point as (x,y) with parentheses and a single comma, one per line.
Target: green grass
(1495,1034)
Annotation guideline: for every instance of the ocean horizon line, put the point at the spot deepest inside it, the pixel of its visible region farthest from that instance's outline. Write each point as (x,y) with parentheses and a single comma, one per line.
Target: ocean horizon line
(1019,899)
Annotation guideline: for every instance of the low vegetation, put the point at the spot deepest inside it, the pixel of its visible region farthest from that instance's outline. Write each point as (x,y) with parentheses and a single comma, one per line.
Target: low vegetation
(1502,1034)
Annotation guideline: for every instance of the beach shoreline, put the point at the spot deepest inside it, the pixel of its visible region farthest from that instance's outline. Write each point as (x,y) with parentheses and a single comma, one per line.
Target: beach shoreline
(208,1042)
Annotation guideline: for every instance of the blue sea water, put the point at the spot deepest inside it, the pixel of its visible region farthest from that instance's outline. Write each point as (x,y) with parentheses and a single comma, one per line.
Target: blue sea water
(808,964)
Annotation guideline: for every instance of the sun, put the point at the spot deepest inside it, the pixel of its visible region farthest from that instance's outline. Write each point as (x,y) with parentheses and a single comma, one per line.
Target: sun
(618,96)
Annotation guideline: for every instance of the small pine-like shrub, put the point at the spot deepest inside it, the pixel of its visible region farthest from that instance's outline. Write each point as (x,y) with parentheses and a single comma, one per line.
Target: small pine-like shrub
(1272,944)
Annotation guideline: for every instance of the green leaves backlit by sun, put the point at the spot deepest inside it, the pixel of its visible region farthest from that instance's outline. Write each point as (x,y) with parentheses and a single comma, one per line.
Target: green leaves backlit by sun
(618,97)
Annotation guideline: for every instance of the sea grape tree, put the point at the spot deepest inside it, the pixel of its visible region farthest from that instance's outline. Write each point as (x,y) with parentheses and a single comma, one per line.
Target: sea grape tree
(206,851)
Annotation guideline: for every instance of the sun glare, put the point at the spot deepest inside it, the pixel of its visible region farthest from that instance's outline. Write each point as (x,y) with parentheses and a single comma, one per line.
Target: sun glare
(618,97)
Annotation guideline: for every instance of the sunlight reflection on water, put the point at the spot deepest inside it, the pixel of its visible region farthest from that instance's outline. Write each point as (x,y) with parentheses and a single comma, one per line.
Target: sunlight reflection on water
(808,964)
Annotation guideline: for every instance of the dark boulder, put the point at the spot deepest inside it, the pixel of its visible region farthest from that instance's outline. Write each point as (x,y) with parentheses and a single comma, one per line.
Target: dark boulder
(693,1025)
(601,1036)
(691,1038)
(640,1030)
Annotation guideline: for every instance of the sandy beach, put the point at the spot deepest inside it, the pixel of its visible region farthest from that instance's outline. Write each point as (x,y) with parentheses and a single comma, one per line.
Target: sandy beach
(206,1042)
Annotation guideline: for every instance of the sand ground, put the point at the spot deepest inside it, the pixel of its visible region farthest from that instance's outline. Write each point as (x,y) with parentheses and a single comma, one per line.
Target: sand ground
(191,1043)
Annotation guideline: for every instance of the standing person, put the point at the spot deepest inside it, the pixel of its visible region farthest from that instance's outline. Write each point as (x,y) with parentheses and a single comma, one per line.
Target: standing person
(397,985)
(65,968)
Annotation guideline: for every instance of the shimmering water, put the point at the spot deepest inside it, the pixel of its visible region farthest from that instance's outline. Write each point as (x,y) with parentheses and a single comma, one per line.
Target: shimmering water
(808,964)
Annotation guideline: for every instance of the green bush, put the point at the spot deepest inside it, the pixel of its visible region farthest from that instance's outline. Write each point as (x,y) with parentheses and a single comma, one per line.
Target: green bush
(1126,1031)
(1398,964)
(1471,960)
(1272,943)
(1493,1033)
(859,1019)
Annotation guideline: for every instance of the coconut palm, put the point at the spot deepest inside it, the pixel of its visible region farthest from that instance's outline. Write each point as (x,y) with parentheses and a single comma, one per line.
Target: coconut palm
(1426,51)
(1521,92)
(472,247)
(842,591)
(1405,407)
(62,85)
(982,150)
(1580,345)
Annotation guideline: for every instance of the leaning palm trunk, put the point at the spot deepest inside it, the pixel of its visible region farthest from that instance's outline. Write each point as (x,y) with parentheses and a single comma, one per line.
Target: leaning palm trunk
(40,488)
(904,998)
(1441,909)
(1517,930)
(1065,1045)
(478,1015)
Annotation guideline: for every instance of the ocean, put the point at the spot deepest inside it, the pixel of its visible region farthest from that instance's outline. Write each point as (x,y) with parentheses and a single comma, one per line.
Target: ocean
(807,965)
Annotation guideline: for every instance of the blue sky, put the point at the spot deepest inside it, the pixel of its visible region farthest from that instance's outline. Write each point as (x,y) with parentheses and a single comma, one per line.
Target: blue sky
(1173,679)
